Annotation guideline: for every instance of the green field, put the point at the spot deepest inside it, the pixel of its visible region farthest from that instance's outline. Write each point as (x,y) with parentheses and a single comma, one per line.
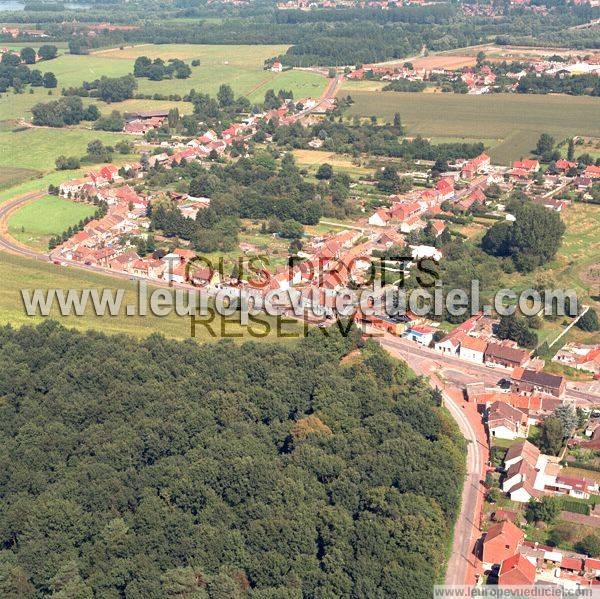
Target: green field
(239,66)
(576,265)
(38,184)
(509,124)
(39,148)
(35,223)
(17,273)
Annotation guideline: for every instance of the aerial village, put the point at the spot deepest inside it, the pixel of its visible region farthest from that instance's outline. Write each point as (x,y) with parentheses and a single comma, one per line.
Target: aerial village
(325,264)
(482,78)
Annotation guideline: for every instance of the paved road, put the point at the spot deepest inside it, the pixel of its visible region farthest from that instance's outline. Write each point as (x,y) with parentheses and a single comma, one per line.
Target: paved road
(460,371)
(462,563)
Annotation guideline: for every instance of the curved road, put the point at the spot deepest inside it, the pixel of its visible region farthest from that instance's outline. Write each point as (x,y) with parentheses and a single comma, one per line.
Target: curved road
(7,243)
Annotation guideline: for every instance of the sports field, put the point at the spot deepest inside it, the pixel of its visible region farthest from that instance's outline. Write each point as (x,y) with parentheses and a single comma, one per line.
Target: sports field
(509,124)
(18,273)
(35,223)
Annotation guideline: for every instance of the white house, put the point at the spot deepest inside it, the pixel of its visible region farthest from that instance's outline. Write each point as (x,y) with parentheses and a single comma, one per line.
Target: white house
(421,334)
(472,348)
(379,218)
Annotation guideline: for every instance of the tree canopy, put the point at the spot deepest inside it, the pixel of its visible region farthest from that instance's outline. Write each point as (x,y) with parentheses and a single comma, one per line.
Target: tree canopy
(158,468)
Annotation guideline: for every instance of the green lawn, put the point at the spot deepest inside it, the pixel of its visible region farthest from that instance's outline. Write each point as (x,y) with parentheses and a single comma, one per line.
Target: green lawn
(35,223)
(17,273)
(509,123)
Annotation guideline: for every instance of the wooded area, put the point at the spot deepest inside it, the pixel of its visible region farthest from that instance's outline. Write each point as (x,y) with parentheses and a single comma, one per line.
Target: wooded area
(159,468)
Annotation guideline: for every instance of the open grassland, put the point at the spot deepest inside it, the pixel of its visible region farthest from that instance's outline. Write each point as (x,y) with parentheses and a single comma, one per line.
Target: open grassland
(516,120)
(143,106)
(35,223)
(38,148)
(239,66)
(312,159)
(14,107)
(10,176)
(17,273)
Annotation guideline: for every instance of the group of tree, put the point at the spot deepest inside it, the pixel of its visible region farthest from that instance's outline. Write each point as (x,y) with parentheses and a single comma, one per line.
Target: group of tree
(516,329)
(62,112)
(16,74)
(530,241)
(258,187)
(375,140)
(114,121)
(576,85)
(30,56)
(108,89)
(158,69)
(404,85)
(158,468)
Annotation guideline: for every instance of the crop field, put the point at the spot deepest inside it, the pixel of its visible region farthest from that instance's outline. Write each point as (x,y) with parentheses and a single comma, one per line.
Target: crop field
(17,273)
(35,223)
(38,148)
(516,120)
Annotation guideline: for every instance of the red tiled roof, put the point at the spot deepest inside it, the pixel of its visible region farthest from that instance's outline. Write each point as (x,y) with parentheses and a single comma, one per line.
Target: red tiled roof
(516,570)
(572,563)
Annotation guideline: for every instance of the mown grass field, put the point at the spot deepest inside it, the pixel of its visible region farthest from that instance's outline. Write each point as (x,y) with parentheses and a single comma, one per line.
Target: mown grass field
(516,120)
(312,159)
(19,273)
(35,223)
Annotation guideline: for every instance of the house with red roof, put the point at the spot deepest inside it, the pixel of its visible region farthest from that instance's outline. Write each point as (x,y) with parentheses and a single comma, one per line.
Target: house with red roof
(528,165)
(506,422)
(564,165)
(516,570)
(277,67)
(592,172)
(445,187)
(472,348)
(500,542)
(380,218)
(474,166)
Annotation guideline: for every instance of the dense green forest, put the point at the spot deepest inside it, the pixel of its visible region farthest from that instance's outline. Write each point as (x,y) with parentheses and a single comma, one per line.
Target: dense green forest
(168,469)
